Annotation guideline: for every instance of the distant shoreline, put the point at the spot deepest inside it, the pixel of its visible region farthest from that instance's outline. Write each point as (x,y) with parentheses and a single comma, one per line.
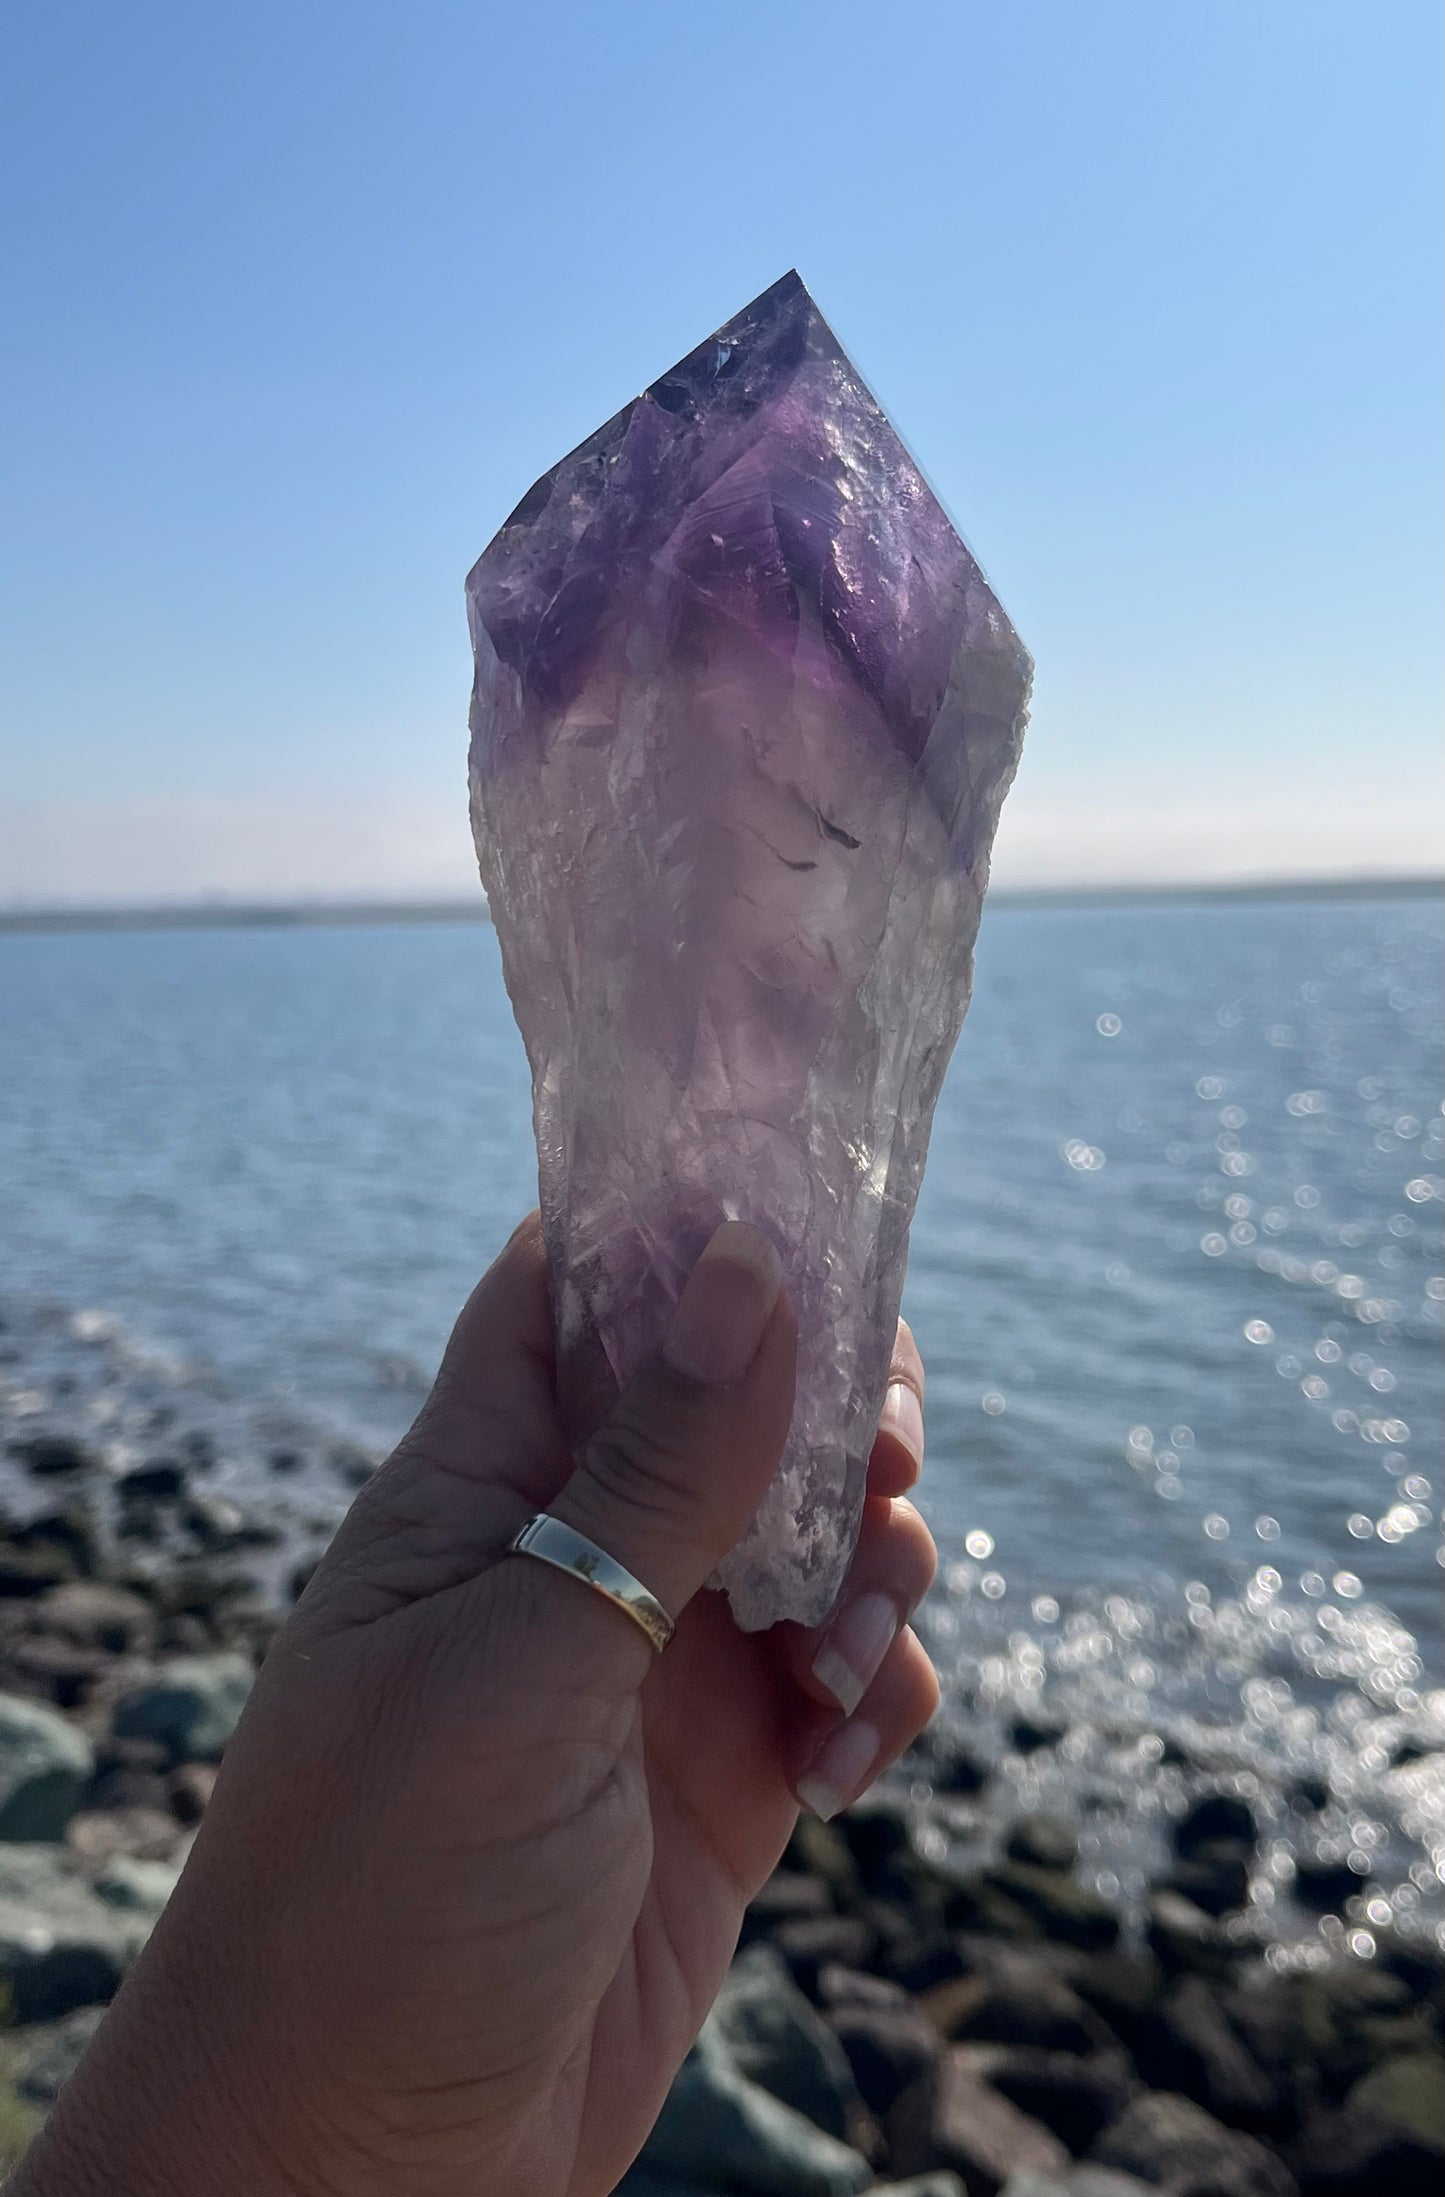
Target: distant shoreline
(289,915)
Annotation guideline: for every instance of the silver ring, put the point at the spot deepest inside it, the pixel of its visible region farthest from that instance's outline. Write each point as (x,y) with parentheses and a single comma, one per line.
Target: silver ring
(546,1538)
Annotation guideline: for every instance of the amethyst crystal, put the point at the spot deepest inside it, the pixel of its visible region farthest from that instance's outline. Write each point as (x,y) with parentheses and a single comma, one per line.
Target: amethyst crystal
(745,711)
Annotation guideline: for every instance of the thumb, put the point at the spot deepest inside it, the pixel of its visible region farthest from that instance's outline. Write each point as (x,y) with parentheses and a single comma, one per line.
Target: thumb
(672,1477)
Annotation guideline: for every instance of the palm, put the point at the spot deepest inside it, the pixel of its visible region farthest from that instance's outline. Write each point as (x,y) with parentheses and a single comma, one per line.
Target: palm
(714,1812)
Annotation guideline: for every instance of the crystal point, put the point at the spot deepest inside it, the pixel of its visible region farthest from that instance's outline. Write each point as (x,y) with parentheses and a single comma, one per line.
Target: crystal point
(745,711)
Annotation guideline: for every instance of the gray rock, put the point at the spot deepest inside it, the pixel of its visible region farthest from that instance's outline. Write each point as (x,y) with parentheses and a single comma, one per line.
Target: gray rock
(137,1887)
(60,1946)
(777,2039)
(638,2183)
(1408,2095)
(889,2048)
(1075,2096)
(193,1706)
(1173,2142)
(1215,1821)
(92,1615)
(1043,1841)
(45,1766)
(718,2131)
(1080,2181)
(1389,2136)
(787,1896)
(956,2120)
(811,1943)
(53,2055)
(942,2184)
(1060,1906)
(1186,1941)
(1198,2052)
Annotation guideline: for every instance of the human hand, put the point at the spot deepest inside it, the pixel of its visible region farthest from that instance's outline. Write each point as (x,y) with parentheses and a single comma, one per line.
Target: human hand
(477,1857)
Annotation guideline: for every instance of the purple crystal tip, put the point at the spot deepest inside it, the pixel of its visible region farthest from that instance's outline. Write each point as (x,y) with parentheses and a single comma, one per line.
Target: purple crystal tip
(744,715)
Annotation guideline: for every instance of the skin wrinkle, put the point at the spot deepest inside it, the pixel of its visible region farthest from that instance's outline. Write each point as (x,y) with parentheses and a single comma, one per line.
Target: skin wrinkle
(469,1880)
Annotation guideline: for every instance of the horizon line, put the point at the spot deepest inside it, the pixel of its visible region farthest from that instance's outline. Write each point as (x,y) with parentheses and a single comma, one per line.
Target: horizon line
(225,914)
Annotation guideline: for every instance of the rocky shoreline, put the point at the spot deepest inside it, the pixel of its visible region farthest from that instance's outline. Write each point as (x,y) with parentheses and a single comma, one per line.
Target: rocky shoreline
(909,2009)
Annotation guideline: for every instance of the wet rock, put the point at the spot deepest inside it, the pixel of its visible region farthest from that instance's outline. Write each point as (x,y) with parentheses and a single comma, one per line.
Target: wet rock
(220,1525)
(51,1456)
(1082,2180)
(787,1896)
(1011,1999)
(1060,1906)
(888,2049)
(878,1832)
(129,1773)
(1388,2140)
(948,1764)
(1030,1733)
(60,1946)
(1185,1940)
(1350,2018)
(25,1570)
(1418,1964)
(818,1850)
(1323,1882)
(840,1987)
(192,1708)
(137,1887)
(1196,2050)
(813,1942)
(43,1668)
(1124,1989)
(1407,2094)
(190,1788)
(922,2185)
(1217,1820)
(1075,2097)
(776,2039)
(45,1766)
(927,1957)
(98,1836)
(301,1576)
(54,2053)
(718,2131)
(1042,1842)
(158,1480)
(92,1615)
(67,1541)
(354,1467)
(1174,2143)
(978,1903)
(1218,1884)
(954,2119)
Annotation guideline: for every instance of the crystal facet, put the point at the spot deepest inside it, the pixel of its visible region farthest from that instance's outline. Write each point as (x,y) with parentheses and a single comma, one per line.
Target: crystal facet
(745,711)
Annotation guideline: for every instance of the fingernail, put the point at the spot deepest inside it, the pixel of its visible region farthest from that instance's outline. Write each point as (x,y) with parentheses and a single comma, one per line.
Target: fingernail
(843,1767)
(902,1417)
(854,1647)
(722,1313)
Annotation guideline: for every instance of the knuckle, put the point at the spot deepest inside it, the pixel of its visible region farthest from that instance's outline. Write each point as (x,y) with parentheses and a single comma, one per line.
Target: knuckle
(633,1462)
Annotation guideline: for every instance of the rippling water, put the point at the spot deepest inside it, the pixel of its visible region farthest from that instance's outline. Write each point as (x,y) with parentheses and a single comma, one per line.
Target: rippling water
(1176,1272)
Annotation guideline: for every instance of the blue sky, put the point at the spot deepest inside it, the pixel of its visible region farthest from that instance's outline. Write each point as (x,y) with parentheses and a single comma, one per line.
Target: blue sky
(299,298)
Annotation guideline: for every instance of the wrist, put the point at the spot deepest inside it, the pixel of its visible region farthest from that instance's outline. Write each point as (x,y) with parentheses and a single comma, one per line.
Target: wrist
(163,2103)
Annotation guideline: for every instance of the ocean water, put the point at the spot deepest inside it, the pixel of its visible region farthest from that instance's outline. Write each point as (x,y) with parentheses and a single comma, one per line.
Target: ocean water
(1176,1273)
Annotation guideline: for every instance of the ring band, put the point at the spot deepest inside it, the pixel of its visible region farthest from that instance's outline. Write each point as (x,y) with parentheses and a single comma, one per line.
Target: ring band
(547,1538)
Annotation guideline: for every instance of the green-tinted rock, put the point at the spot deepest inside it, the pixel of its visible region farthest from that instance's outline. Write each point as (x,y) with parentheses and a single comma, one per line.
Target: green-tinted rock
(1407,2094)
(192,1707)
(45,1765)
